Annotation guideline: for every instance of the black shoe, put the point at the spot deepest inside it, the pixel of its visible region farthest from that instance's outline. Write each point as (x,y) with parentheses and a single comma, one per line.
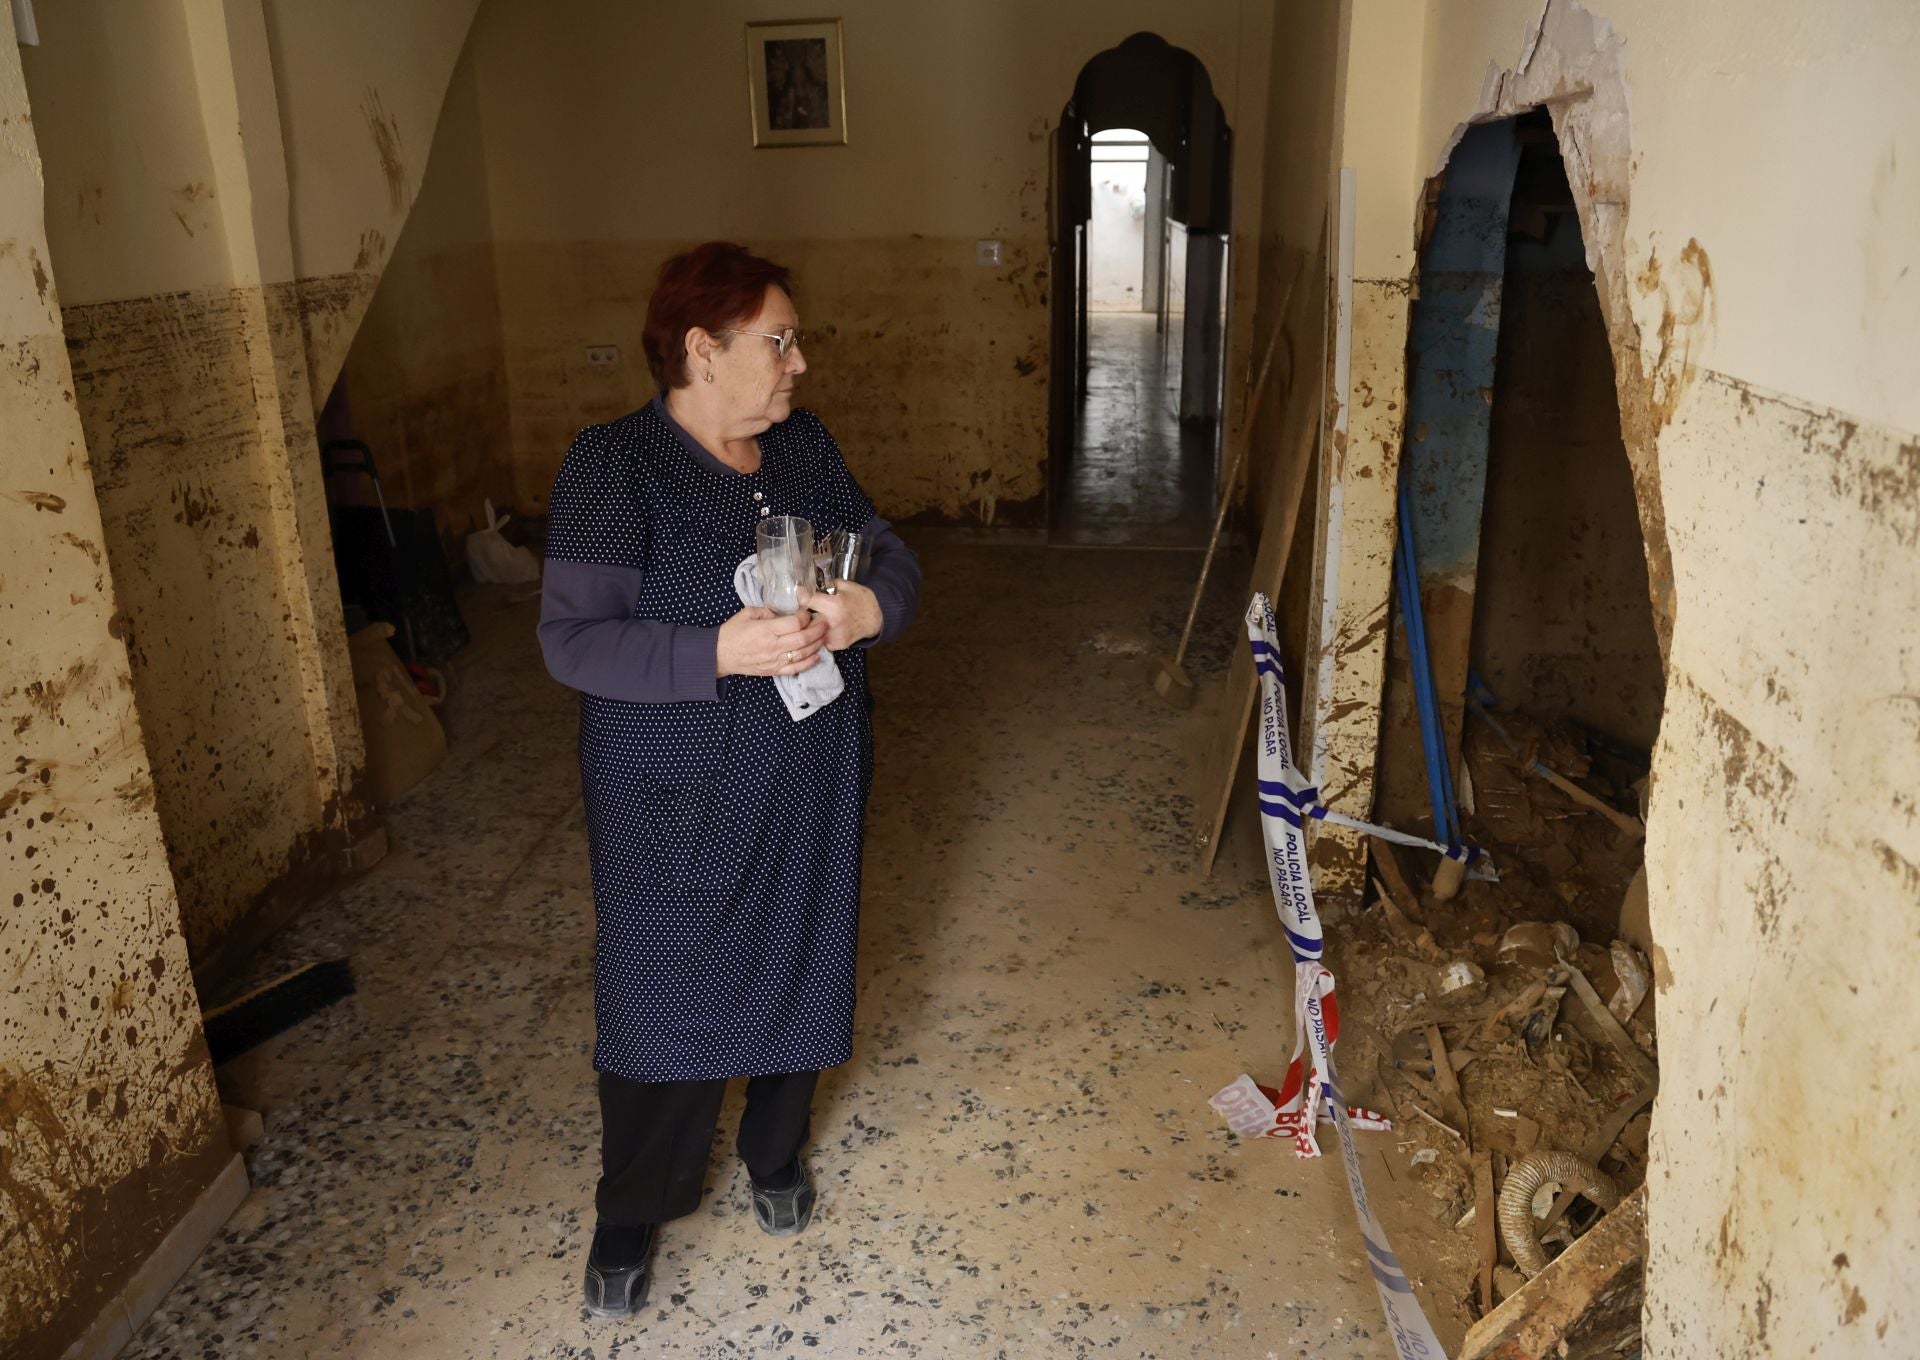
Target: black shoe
(619,1270)
(785,1211)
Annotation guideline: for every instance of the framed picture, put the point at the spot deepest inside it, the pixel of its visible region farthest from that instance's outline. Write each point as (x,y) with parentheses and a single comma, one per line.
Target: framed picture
(795,83)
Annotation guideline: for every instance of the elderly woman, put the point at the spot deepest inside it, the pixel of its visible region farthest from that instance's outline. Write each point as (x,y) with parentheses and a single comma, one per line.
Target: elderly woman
(724,832)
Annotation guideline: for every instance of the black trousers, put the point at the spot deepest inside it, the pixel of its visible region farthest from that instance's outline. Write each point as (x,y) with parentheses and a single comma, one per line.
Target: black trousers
(655,1136)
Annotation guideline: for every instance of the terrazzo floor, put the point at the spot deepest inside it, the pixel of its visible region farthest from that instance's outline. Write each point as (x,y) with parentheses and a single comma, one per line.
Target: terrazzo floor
(1018,1161)
(1136,477)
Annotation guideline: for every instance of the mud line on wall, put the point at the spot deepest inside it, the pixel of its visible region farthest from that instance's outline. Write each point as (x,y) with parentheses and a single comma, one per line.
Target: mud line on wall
(256,814)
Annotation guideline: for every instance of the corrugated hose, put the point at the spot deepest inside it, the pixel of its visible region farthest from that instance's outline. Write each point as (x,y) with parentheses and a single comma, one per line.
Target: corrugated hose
(1524,1180)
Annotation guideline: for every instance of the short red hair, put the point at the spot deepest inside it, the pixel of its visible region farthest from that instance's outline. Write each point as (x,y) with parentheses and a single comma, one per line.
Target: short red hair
(712,286)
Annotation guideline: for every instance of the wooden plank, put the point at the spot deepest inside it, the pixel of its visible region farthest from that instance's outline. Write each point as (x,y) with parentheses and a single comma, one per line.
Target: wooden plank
(1279,519)
(1635,1056)
(1602,1142)
(1485,1212)
(1389,865)
(1585,1305)
(1444,1078)
(1222,762)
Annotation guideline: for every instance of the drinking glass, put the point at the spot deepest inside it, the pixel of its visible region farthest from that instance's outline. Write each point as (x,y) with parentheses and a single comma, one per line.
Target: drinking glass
(786,566)
(847,555)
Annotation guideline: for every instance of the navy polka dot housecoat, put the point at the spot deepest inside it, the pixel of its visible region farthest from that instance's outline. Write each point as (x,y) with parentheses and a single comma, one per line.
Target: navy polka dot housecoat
(725,837)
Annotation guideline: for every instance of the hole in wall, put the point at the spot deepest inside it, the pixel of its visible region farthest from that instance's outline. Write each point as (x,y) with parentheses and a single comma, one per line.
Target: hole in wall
(1531,563)
(1524,681)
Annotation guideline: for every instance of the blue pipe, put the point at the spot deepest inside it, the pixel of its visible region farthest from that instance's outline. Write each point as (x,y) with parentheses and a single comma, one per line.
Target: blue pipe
(1432,741)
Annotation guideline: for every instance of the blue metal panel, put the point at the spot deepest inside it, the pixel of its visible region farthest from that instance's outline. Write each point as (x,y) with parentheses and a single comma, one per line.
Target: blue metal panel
(1454,333)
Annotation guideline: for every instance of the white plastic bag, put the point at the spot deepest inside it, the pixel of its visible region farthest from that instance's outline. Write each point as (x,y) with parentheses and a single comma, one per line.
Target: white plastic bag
(492,559)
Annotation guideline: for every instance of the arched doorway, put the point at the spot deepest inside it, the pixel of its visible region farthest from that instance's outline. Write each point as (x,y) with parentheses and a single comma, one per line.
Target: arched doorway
(1135,392)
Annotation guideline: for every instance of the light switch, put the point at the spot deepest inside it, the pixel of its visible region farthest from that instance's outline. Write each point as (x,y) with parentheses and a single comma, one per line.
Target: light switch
(986,254)
(602,355)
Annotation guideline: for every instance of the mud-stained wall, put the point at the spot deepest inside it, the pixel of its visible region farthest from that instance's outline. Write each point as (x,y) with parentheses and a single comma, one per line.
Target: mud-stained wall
(1761,356)
(187,438)
(206,167)
(1783,855)
(930,372)
(109,1124)
(615,137)
(1562,622)
(165,397)
(358,86)
(424,383)
(1348,522)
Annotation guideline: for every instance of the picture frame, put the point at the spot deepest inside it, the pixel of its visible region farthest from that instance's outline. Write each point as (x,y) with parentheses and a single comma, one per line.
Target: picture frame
(796,87)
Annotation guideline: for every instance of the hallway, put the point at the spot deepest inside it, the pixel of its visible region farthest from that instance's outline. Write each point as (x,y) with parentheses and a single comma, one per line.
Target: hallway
(1137,477)
(1019,1160)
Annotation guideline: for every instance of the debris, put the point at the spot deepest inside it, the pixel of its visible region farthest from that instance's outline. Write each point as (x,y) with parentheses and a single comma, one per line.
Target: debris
(1635,927)
(1520,1005)
(1109,645)
(1538,1023)
(1460,973)
(1506,1114)
(1398,920)
(1389,866)
(1622,1041)
(1586,1303)
(1483,1228)
(1445,1080)
(1602,1142)
(1539,944)
(1435,1122)
(1424,1156)
(1634,977)
(1630,826)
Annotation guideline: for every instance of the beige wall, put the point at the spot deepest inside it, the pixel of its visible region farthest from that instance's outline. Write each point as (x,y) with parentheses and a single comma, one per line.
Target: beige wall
(425,380)
(186,740)
(358,86)
(1739,174)
(192,153)
(1304,78)
(618,134)
(109,1125)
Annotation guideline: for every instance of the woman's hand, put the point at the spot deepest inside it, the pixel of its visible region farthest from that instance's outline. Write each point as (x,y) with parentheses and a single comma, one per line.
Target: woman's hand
(757,641)
(852,614)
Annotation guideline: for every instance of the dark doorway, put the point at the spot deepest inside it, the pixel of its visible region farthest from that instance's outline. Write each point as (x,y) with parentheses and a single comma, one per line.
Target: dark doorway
(1141,169)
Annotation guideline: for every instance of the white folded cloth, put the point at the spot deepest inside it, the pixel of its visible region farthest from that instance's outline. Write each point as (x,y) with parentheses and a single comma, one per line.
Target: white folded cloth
(813,689)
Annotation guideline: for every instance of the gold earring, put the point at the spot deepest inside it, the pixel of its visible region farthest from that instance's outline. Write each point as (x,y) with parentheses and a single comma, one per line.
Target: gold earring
(709,375)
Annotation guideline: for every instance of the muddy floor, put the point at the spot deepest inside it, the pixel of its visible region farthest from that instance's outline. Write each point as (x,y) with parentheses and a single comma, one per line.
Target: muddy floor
(1018,1161)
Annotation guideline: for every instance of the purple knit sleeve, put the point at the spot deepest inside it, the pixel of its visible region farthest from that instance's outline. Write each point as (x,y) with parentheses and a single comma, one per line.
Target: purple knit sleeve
(592,642)
(893,575)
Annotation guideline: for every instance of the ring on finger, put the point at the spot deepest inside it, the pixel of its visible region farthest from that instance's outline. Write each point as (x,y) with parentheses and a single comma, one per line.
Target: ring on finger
(789,658)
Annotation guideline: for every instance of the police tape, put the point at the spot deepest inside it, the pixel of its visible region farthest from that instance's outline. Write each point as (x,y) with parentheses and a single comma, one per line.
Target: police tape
(1311,1091)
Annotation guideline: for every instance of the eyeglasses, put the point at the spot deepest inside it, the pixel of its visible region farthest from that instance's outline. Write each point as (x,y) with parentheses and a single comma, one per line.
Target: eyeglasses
(790,338)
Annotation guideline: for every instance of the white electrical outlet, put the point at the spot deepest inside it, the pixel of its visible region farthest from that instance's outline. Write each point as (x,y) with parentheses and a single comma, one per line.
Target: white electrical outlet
(602,355)
(986,254)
